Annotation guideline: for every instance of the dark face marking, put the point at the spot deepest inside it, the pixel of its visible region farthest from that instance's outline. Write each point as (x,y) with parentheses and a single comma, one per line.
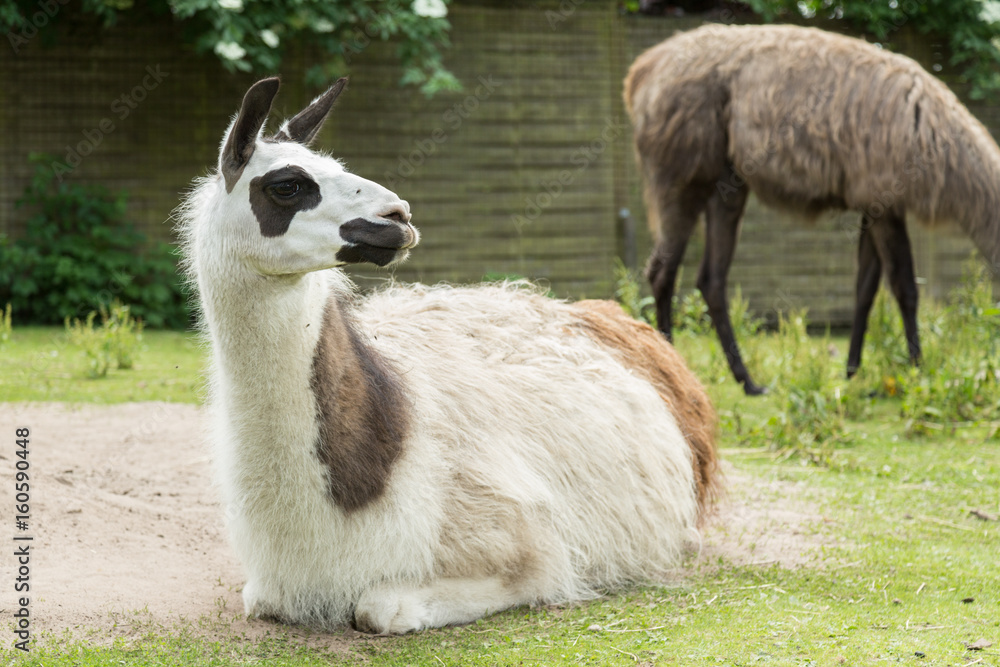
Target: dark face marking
(278,195)
(375,242)
(364,413)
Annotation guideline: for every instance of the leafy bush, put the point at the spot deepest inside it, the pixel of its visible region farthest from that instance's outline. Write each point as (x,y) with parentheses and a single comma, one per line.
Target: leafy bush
(628,293)
(256,36)
(745,323)
(691,313)
(959,379)
(811,418)
(79,253)
(115,342)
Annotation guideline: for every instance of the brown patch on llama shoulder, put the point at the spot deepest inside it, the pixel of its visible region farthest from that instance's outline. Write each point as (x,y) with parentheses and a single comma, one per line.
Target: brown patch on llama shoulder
(644,350)
(363,412)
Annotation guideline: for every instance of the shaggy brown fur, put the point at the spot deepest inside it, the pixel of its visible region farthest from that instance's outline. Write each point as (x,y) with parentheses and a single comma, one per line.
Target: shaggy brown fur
(645,352)
(808,120)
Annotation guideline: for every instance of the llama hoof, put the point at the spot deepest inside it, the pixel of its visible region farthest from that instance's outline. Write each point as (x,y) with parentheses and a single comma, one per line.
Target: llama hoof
(384,612)
(751,389)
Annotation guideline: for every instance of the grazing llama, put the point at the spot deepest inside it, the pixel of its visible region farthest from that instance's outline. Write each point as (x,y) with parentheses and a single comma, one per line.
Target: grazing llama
(809,121)
(427,455)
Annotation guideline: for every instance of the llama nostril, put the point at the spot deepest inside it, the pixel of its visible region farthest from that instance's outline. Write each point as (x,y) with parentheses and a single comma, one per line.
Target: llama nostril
(397,214)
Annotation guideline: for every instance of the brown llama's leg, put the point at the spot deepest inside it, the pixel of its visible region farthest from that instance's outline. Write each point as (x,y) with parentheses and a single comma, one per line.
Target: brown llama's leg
(722,224)
(676,218)
(869,275)
(893,246)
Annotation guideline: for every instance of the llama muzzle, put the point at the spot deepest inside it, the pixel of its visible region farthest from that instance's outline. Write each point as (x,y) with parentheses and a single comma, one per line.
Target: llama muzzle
(380,242)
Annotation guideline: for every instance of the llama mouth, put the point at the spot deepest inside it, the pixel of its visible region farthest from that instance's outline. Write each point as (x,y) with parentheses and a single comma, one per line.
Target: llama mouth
(380,234)
(380,243)
(359,253)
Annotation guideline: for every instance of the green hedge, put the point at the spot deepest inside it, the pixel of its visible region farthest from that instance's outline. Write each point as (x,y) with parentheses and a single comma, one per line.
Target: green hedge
(79,253)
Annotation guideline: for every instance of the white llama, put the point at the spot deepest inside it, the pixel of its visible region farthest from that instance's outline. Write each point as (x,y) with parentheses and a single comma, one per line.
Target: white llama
(427,455)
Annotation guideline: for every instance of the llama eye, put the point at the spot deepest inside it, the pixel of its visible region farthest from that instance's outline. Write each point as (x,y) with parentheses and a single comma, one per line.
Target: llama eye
(284,189)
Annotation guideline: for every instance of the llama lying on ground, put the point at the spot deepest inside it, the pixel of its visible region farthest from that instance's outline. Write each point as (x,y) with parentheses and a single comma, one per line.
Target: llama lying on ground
(430,454)
(807,120)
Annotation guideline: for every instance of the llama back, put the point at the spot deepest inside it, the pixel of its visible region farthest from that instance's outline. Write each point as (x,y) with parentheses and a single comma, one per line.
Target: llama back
(610,497)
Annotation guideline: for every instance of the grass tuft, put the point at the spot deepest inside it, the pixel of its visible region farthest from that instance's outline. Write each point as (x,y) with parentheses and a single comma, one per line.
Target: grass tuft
(115,343)
(6,326)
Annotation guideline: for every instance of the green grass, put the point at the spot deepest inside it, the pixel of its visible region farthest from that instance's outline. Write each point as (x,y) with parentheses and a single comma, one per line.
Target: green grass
(899,570)
(39,364)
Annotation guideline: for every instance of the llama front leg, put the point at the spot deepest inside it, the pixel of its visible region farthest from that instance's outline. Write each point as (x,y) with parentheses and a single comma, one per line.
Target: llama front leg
(672,218)
(390,610)
(722,224)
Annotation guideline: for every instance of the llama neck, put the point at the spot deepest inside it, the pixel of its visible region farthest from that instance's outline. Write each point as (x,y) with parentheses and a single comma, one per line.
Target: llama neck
(963,184)
(294,375)
(981,200)
(263,333)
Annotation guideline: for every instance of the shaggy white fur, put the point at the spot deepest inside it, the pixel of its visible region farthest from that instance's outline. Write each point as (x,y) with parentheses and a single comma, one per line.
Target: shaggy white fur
(535,467)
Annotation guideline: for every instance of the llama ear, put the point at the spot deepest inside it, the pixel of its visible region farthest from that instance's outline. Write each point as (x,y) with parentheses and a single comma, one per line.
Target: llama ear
(308,122)
(242,138)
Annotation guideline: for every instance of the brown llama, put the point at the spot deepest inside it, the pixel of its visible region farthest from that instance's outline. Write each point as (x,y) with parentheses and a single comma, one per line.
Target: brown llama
(809,121)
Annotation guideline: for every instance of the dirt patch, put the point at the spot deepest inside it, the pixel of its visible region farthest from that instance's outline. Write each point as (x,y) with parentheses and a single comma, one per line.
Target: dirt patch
(762,522)
(128,532)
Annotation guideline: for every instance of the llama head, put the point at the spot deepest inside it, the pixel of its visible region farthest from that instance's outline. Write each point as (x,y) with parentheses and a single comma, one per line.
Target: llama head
(287,210)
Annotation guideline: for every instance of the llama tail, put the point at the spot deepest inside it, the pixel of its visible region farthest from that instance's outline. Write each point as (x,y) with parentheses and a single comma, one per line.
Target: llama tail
(646,352)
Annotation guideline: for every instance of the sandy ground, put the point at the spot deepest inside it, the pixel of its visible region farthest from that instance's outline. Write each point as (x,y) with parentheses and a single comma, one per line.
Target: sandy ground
(127,531)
